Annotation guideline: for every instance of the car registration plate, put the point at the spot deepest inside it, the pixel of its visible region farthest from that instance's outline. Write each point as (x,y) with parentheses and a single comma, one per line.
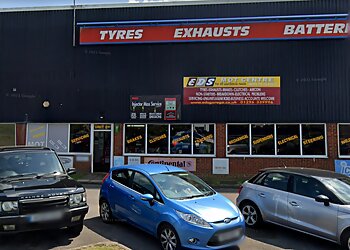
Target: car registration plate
(230,235)
(47,216)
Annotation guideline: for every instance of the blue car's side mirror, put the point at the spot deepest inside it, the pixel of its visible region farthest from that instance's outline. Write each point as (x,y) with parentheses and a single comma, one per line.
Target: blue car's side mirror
(148,197)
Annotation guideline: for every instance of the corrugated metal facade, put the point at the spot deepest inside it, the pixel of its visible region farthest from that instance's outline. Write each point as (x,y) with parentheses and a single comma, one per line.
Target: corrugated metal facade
(38,62)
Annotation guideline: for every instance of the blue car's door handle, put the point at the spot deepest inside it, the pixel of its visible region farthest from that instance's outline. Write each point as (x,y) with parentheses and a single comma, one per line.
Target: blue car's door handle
(132,197)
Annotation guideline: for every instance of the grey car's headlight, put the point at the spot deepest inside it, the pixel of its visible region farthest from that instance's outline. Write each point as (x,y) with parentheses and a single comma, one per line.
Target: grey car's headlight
(193,219)
(77,199)
(9,206)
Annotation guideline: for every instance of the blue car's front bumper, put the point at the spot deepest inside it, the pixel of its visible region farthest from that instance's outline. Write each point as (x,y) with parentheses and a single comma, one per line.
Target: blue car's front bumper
(220,235)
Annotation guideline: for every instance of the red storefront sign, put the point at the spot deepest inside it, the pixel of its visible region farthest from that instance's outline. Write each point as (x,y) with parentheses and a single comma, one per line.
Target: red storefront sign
(228,31)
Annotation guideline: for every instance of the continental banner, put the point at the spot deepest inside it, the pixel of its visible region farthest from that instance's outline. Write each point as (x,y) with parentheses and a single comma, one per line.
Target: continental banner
(188,164)
(239,90)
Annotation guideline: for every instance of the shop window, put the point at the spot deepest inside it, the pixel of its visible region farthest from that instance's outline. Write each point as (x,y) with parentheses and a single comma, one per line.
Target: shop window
(288,139)
(314,139)
(263,139)
(157,139)
(203,138)
(135,138)
(7,134)
(79,138)
(36,134)
(238,139)
(344,139)
(180,138)
(57,137)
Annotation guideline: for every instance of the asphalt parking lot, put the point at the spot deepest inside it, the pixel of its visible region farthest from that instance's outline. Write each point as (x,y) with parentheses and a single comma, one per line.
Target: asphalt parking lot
(269,237)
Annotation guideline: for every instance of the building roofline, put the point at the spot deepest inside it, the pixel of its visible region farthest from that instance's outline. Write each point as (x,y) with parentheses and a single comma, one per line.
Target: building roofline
(136,5)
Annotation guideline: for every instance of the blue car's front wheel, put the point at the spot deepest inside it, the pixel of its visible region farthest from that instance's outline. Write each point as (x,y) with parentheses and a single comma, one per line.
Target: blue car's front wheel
(105,212)
(169,240)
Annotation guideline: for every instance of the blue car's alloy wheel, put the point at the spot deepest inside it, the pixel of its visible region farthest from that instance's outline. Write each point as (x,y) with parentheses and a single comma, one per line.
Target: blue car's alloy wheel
(169,239)
(105,212)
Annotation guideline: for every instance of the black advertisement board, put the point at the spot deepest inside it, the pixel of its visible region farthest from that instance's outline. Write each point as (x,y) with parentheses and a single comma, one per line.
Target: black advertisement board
(155,107)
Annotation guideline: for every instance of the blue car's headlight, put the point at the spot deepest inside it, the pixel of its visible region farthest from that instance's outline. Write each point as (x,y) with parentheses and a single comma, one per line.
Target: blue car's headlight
(193,219)
(241,216)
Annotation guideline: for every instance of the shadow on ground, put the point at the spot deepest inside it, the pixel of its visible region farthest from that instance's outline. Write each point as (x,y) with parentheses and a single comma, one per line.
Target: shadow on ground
(126,234)
(288,239)
(35,240)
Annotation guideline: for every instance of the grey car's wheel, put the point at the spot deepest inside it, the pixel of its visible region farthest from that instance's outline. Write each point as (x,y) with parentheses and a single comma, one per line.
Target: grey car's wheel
(251,214)
(345,240)
(169,240)
(105,212)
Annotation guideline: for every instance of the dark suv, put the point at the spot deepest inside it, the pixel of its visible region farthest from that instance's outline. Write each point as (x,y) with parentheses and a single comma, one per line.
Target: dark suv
(37,193)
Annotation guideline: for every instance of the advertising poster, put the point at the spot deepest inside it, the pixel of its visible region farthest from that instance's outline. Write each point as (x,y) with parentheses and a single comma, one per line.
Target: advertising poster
(155,108)
(57,138)
(118,161)
(134,160)
(36,135)
(233,90)
(188,164)
(215,29)
(342,167)
(7,135)
(220,166)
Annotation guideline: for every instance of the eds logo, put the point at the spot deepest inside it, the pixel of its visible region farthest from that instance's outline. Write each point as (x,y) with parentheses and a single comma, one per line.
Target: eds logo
(201,81)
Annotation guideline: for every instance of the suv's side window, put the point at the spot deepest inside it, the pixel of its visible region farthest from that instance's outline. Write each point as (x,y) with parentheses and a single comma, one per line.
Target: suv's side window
(308,187)
(122,176)
(143,185)
(276,180)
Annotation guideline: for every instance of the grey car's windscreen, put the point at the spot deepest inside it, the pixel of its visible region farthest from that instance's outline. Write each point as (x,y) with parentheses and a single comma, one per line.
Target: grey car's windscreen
(340,187)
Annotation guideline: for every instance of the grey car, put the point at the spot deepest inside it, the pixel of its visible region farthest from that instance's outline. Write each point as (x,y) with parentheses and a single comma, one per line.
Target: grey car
(312,201)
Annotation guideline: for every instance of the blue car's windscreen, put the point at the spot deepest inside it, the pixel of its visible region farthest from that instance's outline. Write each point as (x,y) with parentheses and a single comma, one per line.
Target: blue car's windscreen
(182,185)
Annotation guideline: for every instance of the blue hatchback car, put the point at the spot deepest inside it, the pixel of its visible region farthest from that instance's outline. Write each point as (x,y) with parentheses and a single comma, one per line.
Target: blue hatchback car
(173,205)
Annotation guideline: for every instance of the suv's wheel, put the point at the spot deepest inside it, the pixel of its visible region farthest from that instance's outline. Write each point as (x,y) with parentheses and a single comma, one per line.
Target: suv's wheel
(345,239)
(75,230)
(105,212)
(251,214)
(169,240)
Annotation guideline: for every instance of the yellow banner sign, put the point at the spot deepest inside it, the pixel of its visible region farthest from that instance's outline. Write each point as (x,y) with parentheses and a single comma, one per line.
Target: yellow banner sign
(232,81)
(232,90)
(290,138)
(238,139)
(158,138)
(136,138)
(312,140)
(262,139)
(345,141)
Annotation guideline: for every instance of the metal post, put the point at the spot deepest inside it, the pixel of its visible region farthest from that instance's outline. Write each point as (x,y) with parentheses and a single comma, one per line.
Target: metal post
(73,23)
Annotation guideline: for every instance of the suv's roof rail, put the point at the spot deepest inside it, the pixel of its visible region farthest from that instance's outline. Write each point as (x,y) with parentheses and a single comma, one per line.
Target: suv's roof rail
(12,148)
